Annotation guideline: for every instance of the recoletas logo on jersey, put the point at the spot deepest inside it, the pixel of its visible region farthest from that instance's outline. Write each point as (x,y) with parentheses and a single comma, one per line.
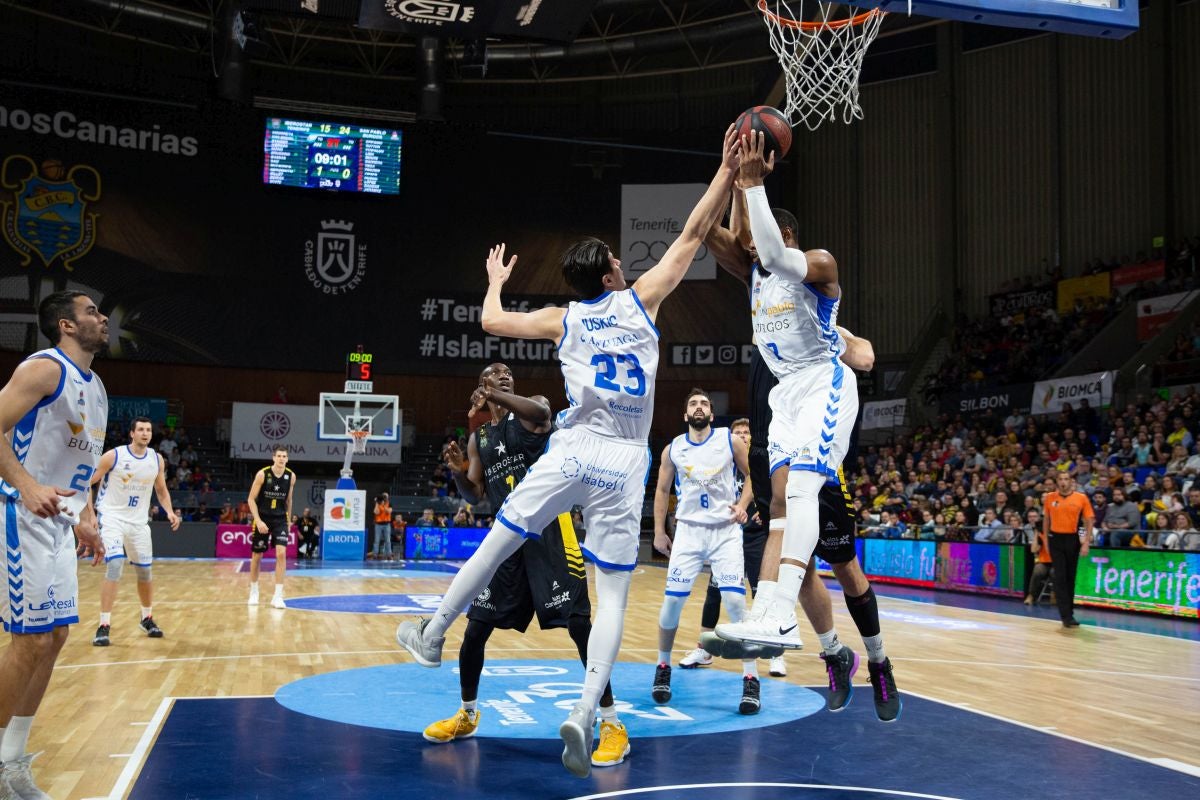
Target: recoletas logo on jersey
(337,261)
(48,214)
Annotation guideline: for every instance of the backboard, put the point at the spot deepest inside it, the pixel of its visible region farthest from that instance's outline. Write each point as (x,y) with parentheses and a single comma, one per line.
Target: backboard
(1112,19)
(341,412)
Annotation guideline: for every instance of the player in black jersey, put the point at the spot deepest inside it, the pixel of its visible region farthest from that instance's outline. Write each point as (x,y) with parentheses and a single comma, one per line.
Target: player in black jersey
(544,577)
(271,506)
(735,252)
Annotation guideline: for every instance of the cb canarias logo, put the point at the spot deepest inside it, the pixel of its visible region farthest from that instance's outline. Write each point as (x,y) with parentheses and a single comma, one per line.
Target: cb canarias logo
(46,215)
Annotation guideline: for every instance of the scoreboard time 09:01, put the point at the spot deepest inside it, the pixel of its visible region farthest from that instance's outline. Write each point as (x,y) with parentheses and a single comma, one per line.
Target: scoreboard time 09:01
(333,158)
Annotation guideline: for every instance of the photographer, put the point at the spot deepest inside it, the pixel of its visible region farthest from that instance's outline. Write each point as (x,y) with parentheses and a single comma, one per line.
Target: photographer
(383,528)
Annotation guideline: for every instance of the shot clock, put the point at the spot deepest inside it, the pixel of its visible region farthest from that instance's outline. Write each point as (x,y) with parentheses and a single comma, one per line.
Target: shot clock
(331,155)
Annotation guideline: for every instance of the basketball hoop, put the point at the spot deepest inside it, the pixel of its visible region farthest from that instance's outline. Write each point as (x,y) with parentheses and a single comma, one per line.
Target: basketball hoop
(821,58)
(358,441)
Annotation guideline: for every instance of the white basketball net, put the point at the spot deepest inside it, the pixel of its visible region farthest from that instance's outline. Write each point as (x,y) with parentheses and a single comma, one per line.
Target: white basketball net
(821,57)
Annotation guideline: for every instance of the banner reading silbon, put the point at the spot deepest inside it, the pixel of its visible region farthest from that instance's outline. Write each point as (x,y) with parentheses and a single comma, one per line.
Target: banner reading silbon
(1050,396)
(258,427)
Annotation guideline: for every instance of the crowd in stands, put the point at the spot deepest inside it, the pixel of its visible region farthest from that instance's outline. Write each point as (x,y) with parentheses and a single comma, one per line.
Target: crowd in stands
(983,478)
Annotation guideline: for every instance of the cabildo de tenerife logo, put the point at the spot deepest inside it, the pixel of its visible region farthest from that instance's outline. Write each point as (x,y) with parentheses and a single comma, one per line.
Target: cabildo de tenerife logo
(429,12)
(47,213)
(336,262)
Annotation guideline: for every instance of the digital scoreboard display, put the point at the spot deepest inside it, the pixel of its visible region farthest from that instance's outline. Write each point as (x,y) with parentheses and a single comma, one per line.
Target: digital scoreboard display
(331,155)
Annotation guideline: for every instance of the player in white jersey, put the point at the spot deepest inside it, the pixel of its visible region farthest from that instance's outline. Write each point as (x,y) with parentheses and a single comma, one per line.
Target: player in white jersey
(598,457)
(794,303)
(54,411)
(126,477)
(709,513)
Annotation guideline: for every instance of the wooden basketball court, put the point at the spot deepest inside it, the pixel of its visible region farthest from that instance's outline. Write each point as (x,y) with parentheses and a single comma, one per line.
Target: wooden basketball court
(107,710)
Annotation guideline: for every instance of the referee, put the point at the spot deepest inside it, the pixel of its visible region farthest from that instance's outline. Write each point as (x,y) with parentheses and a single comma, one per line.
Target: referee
(1065,510)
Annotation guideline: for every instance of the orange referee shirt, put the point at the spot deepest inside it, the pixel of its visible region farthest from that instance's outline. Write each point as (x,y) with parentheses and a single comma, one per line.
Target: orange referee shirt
(1066,513)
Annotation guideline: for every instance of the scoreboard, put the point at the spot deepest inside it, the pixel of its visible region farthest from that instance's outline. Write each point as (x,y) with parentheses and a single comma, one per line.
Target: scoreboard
(331,155)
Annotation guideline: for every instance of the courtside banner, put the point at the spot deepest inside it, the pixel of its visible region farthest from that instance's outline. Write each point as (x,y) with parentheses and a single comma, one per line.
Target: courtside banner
(1155,581)
(1000,400)
(344,534)
(652,216)
(233,541)
(258,427)
(1003,305)
(421,543)
(1050,396)
(1090,290)
(883,414)
(1156,313)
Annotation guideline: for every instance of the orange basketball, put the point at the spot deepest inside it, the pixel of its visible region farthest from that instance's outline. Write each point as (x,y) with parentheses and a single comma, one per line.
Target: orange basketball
(772,123)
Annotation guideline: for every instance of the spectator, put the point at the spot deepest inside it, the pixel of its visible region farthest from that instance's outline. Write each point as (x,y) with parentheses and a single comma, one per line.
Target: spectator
(399,528)
(463,518)
(383,528)
(1099,509)
(281,395)
(310,531)
(427,520)
(1121,520)
(990,527)
(227,515)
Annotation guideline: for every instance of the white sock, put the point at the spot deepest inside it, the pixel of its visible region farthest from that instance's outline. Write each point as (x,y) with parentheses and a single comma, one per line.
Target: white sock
(279,590)
(788,589)
(254,586)
(664,657)
(750,668)
(16,737)
(608,623)
(764,595)
(609,714)
(146,611)
(106,618)
(874,645)
(469,706)
(829,642)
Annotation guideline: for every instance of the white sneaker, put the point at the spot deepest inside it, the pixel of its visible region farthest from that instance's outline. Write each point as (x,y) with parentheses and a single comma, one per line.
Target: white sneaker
(253,601)
(697,658)
(18,779)
(778,669)
(411,636)
(781,631)
(576,733)
(277,600)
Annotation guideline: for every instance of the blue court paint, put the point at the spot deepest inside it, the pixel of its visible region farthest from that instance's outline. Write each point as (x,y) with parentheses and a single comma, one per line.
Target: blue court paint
(367,603)
(530,699)
(255,747)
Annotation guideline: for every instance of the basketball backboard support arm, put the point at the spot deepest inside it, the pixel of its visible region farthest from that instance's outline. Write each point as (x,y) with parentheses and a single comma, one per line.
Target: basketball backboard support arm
(1110,19)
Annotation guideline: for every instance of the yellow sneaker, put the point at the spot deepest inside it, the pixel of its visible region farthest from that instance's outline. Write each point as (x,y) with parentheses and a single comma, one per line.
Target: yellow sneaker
(461,726)
(613,747)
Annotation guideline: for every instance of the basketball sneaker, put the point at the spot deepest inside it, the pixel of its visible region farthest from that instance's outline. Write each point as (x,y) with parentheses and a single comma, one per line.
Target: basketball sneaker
(152,630)
(777,668)
(697,658)
(614,745)
(773,628)
(411,636)
(101,637)
(6,792)
(661,690)
(716,646)
(887,699)
(253,601)
(750,703)
(277,599)
(577,734)
(840,667)
(461,726)
(19,778)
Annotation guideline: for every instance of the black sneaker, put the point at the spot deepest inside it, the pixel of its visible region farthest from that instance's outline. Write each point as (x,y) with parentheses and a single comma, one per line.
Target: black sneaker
(661,691)
(840,667)
(101,637)
(750,703)
(887,699)
(1071,623)
(152,630)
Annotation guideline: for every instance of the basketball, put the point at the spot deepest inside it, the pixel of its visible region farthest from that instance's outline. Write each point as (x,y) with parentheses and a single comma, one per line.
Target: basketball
(772,123)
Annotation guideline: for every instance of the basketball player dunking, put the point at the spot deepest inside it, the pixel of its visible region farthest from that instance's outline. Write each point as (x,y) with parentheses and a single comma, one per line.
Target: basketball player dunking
(598,457)
(271,507)
(126,477)
(55,411)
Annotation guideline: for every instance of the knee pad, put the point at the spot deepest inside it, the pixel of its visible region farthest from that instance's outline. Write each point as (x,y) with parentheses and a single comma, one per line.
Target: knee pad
(672,608)
(113,569)
(143,573)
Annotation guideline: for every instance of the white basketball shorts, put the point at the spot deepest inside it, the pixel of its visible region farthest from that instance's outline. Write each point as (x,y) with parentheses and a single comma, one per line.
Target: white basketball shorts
(812,417)
(127,539)
(721,545)
(43,589)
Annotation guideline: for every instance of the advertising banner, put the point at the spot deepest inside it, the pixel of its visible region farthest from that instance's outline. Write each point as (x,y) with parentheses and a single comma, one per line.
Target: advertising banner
(344,526)
(442,542)
(1126,278)
(1156,313)
(1003,305)
(1001,400)
(1090,290)
(1157,581)
(884,414)
(233,541)
(977,567)
(1050,396)
(652,216)
(258,427)
(450,328)
(906,561)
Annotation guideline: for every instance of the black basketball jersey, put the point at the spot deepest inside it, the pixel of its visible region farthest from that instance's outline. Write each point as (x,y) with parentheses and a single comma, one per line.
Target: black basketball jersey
(272,497)
(507,451)
(762,381)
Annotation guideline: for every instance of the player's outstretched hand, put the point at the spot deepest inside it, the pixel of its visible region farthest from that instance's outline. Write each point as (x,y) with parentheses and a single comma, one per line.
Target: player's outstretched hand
(754,166)
(88,542)
(498,271)
(737,514)
(732,150)
(662,543)
(452,454)
(479,399)
(44,500)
